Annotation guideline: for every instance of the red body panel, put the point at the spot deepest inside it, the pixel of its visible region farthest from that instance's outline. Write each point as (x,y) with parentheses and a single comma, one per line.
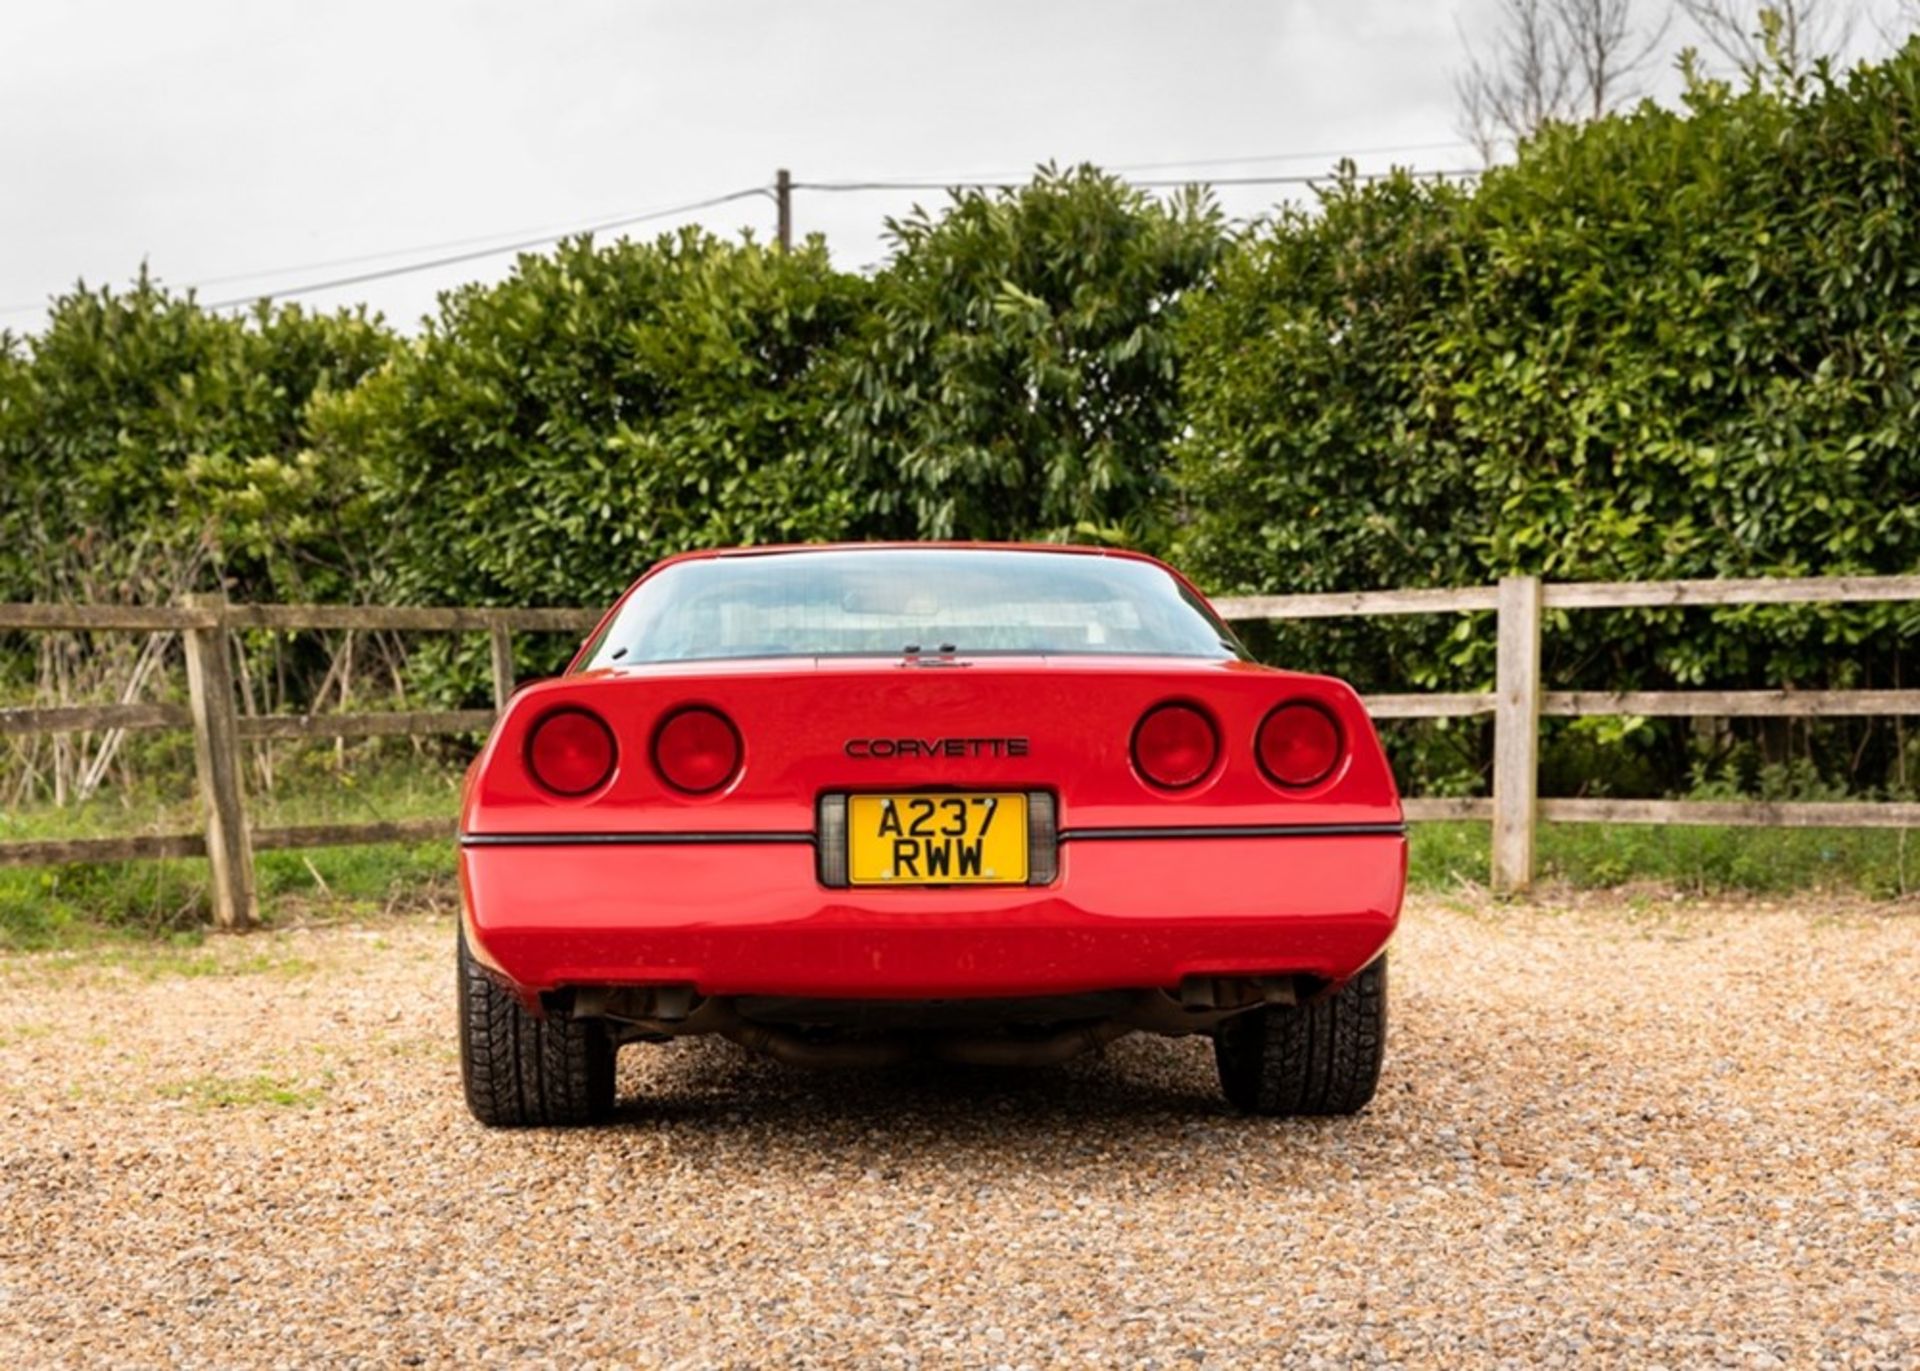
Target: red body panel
(1125,913)
(723,891)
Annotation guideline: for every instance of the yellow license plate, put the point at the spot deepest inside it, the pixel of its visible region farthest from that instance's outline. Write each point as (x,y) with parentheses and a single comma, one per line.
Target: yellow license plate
(937,839)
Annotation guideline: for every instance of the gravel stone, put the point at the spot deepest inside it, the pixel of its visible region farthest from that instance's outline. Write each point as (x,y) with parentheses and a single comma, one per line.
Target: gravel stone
(1627,1130)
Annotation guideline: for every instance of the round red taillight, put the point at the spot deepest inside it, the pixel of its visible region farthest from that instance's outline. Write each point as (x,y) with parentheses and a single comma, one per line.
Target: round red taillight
(571,752)
(697,750)
(1175,745)
(1299,744)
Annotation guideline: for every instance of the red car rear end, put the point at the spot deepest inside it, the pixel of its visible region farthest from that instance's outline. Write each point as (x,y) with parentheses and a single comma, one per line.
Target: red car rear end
(985,804)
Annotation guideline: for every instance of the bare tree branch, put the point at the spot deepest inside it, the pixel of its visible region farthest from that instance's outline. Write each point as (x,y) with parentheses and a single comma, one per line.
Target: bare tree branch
(1757,34)
(1901,25)
(1552,60)
(1609,53)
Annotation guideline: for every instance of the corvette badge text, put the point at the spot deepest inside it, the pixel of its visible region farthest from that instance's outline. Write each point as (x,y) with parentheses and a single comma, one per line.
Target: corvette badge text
(936,747)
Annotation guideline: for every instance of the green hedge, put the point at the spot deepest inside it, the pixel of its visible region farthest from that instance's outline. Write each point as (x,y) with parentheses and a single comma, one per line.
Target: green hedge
(1668,345)
(1017,375)
(549,436)
(142,437)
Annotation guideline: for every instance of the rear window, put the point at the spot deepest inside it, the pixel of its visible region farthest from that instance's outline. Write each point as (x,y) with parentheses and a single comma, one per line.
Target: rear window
(889,601)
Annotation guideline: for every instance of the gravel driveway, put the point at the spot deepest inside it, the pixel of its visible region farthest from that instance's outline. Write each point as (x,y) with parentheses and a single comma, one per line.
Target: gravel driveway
(1651,1133)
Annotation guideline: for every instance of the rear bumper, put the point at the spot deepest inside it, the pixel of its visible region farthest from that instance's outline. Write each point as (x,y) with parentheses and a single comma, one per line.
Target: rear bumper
(752,919)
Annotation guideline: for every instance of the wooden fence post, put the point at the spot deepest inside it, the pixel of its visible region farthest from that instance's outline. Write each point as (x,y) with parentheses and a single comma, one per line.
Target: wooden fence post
(1516,733)
(216,757)
(502,640)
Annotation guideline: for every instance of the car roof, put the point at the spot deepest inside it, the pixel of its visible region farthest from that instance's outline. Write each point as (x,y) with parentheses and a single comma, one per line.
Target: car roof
(906,545)
(903,545)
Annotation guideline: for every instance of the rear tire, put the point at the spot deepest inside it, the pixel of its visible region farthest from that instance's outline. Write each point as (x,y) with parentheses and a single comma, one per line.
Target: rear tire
(1310,1059)
(521,1071)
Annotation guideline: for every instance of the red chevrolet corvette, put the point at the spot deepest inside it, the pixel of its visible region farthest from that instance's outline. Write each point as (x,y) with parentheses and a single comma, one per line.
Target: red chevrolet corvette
(994,804)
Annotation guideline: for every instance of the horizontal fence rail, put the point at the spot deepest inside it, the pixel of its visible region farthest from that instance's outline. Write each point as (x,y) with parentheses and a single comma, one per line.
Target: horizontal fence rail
(408,724)
(1515,705)
(1730,704)
(397,618)
(91,718)
(1719,814)
(1351,604)
(147,846)
(1775,590)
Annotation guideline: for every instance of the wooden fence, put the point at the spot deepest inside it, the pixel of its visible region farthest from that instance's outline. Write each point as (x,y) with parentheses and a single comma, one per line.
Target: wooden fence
(1518,700)
(1516,704)
(219,729)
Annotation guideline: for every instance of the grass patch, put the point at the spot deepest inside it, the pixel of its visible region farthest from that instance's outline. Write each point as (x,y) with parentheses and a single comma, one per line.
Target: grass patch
(257,1091)
(24,1033)
(86,903)
(174,959)
(1878,863)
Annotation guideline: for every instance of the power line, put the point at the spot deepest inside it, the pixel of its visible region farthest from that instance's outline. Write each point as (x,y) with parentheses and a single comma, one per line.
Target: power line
(457,258)
(552,231)
(1291,156)
(1438,173)
(1334,153)
(1021,177)
(201,283)
(550,235)
(922,183)
(1428,174)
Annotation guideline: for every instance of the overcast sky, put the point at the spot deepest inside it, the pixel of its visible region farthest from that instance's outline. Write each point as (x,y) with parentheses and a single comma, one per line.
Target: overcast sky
(245,146)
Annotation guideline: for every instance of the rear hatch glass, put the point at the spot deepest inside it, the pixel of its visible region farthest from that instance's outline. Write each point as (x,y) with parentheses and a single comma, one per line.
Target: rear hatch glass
(889,601)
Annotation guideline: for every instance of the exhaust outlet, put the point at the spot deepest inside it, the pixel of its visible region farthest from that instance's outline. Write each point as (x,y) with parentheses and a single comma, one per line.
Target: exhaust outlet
(1058,1047)
(792,1049)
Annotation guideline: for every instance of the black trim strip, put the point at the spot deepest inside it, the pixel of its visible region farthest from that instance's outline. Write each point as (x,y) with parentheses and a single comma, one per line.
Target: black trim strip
(1240,831)
(1068,835)
(624,839)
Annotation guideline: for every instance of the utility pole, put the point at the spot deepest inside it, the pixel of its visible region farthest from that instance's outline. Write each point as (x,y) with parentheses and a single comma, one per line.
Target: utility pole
(783,197)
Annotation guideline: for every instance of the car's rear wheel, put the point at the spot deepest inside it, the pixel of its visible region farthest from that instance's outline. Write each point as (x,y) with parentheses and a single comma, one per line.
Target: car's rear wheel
(521,1071)
(1317,1058)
